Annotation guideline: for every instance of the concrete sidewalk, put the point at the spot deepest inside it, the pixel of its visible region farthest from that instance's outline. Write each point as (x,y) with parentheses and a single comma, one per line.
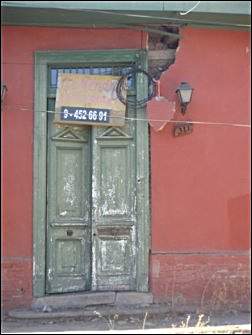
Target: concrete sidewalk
(230,329)
(244,329)
(133,320)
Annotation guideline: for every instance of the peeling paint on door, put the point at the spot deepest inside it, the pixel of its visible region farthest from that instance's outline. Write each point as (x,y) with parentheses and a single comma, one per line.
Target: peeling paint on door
(92,241)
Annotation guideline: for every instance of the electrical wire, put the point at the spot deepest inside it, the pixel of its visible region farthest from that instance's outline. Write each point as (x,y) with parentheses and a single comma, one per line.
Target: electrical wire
(216,123)
(190,10)
(182,121)
(122,84)
(165,18)
(172,121)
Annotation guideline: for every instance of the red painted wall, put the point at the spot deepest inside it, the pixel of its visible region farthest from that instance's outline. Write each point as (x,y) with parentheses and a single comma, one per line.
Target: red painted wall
(200,182)
(19,45)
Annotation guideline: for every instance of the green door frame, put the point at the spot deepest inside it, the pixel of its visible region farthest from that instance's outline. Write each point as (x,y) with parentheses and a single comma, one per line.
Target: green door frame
(42,60)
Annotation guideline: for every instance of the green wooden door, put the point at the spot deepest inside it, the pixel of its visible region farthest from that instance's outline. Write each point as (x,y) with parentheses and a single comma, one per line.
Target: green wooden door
(91,200)
(114,207)
(68,209)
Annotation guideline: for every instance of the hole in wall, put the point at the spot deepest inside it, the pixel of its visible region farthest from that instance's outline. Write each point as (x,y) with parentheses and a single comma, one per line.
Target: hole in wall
(162,50)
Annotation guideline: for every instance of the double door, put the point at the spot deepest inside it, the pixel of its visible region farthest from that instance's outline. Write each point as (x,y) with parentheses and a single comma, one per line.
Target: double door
(92,228)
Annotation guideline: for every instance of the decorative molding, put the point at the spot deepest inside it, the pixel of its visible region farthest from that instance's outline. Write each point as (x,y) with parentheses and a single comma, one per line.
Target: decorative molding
(68,135)
(112,133)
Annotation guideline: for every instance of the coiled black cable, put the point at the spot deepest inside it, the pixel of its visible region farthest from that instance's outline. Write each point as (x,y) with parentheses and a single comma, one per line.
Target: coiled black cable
(122,93)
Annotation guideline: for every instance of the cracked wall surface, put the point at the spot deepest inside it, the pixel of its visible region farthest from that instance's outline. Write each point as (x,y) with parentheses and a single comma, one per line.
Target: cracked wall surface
(162,50)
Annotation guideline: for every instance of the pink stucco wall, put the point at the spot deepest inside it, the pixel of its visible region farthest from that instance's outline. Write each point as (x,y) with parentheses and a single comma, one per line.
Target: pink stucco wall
(200,182)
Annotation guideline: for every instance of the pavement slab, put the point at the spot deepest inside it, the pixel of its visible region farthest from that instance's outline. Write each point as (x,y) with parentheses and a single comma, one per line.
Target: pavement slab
(138,321)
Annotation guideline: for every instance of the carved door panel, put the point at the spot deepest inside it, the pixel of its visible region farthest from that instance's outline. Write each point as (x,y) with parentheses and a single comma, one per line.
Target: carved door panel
(68,209)
(114,208)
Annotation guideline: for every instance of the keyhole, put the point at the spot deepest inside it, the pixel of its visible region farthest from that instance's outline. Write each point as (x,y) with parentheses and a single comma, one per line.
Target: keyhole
(69,232)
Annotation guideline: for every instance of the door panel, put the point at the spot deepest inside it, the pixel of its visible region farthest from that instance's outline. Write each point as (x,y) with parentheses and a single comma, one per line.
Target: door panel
(114,207)
(68,209)
(67,271)
(69,191)
(113,182)
(115,261)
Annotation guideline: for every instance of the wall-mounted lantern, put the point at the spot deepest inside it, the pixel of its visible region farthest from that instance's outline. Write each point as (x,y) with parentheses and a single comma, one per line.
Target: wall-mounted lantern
(184,93)
(3,91)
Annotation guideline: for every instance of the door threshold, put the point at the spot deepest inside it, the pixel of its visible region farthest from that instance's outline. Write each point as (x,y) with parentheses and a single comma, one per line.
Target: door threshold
(84,299)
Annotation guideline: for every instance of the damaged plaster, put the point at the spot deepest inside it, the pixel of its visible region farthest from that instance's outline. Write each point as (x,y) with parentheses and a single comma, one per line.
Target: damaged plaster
(162,50)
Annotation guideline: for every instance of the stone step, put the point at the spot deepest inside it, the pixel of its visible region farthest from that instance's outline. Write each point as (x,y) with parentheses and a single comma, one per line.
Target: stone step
(92,311)
(72,300)
(81,300)
(133,298)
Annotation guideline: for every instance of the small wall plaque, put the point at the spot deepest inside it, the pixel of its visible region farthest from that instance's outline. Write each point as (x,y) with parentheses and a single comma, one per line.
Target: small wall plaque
(182,128)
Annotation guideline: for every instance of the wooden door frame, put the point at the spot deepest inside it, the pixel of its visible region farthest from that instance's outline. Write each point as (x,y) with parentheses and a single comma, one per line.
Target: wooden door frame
(42,60)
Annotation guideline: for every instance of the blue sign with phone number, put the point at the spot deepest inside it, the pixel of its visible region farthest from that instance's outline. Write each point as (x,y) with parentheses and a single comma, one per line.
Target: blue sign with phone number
(83,114)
